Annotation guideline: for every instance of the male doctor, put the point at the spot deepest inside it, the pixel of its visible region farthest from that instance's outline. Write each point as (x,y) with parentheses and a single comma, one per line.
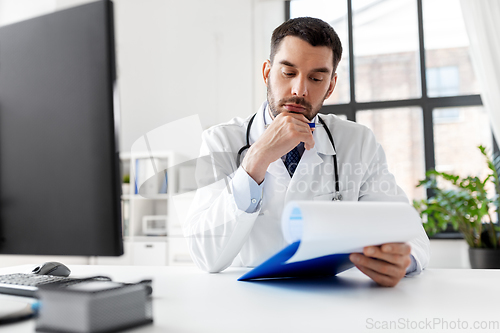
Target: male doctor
(237,220)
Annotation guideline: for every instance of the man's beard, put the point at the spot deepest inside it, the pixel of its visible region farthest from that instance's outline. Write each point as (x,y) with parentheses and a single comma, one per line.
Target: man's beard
(274,106)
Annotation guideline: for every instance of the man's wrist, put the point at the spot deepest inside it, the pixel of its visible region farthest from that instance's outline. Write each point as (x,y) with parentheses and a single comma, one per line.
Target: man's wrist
(255,165)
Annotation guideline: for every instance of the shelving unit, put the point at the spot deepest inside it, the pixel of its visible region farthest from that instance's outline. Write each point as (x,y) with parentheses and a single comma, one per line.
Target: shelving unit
(146,199)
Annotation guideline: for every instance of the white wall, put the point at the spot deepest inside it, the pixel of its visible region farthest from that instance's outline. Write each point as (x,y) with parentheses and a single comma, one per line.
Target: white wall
(13,11)
(268,14)
(449,253)
(179,58)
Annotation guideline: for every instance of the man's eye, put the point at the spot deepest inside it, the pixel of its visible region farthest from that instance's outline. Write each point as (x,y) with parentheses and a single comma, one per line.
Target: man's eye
(316,79)
(288,74)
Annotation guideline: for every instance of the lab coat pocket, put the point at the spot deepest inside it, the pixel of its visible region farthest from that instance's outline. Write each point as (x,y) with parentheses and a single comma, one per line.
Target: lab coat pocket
(324,197)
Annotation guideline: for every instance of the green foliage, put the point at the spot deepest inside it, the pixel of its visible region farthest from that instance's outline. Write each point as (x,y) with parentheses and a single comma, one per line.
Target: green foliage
(465,205)
(126,179)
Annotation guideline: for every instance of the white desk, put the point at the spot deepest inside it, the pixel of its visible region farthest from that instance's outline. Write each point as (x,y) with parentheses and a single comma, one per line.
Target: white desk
(189,300)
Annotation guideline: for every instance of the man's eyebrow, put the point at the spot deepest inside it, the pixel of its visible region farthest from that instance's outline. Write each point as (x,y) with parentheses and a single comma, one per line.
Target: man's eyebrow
(321,70)
(287,63)
(316,70)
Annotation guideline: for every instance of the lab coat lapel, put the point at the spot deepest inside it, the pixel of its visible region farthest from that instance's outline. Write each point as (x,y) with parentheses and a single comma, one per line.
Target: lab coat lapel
(309,163)
(299,184)
(309,160)
(258,125)
(312,157)
(278,170)
(322,142)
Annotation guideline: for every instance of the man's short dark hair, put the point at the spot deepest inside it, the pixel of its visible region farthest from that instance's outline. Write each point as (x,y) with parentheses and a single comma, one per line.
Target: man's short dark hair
(312,30)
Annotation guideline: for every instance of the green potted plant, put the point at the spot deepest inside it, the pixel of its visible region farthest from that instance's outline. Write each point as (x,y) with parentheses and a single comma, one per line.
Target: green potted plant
(465,204)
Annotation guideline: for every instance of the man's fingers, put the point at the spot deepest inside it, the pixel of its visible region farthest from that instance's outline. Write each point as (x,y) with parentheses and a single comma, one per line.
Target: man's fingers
(396,248)
(396,259)
(298,116)
(301,132)
(283,134)
(381,279)
(382,272)
(380,266)
(376,252)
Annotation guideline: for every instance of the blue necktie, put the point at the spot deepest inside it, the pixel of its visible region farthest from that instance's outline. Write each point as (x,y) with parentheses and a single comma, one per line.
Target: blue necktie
(292,160)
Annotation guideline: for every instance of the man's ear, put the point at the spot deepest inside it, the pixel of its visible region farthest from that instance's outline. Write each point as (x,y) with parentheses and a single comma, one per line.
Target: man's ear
(333,83)
(266,69)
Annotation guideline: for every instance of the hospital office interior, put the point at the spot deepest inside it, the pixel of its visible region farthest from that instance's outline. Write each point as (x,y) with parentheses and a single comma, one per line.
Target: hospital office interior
(203,58)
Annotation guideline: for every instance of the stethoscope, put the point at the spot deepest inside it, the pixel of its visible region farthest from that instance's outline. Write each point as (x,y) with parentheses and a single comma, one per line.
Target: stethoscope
(337,196)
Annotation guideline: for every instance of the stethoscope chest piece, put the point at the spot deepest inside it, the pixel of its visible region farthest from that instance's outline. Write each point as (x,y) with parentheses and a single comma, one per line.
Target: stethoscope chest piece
(337,196)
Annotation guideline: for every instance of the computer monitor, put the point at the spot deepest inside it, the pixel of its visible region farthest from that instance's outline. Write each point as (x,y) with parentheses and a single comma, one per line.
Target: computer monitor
(59,168)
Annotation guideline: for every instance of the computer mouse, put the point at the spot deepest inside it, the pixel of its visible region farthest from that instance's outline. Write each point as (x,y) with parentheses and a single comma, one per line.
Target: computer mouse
(52,268)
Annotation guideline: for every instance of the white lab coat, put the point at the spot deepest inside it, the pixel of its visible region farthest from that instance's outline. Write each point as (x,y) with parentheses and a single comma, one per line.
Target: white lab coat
(219,234)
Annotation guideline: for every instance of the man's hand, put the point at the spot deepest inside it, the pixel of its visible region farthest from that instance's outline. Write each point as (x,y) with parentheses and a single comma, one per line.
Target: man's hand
(285,132)
(384,264)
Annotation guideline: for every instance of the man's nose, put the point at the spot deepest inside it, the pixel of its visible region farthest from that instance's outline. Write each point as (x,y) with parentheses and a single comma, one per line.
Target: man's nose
(299,87)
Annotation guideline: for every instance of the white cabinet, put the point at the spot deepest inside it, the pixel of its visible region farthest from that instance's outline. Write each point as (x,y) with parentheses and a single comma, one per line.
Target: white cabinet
(150,253)
(178,254)
(178,248)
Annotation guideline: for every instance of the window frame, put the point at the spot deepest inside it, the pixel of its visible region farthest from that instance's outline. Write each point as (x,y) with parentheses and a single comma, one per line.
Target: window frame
(426,103)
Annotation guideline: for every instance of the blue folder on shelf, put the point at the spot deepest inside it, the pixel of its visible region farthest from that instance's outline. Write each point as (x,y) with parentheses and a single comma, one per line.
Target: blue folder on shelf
(276,266)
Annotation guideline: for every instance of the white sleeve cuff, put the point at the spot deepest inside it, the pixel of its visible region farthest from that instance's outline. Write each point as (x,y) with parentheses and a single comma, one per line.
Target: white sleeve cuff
(414,268)
(247,193)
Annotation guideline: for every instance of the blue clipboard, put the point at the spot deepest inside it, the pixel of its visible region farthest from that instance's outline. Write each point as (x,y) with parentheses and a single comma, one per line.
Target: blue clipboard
(276,266)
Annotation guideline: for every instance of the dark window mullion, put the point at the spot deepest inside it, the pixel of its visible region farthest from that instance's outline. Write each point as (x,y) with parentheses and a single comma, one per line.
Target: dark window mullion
(430,161)
(351,115)
(454,101)
(421,49)
(432,102)
(337,109)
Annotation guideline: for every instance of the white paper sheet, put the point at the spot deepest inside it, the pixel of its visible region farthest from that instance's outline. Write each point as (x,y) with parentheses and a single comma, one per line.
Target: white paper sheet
(329,227)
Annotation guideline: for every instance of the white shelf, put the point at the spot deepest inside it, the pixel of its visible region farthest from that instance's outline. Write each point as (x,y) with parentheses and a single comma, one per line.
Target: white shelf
(150,238)
(151,250)
(152,197)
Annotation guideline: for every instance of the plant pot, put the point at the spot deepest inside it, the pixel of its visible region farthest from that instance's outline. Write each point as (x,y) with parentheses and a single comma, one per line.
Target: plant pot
(484,258)
(125,189)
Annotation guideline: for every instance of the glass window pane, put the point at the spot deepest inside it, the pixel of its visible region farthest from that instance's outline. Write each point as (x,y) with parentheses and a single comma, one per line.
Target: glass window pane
(386,58)
(449,70)
(457,133)
(400,132)
(335,13)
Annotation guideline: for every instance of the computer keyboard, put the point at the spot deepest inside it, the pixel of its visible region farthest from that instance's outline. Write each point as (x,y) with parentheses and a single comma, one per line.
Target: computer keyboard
(21,284)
